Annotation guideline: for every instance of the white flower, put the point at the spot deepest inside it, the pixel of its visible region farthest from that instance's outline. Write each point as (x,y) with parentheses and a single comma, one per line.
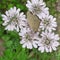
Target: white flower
(37,7)
(13,19)
(48,23)
(29,39)
(48,42)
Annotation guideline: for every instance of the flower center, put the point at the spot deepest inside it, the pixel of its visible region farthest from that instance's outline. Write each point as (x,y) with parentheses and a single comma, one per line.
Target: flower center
(14,19)
(47,42)
(46,22)
(36,9)
(28,37)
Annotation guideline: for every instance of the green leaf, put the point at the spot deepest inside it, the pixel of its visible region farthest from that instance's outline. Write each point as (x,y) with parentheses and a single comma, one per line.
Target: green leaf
(22,55)
(8,54)
(5,37)
(9,43)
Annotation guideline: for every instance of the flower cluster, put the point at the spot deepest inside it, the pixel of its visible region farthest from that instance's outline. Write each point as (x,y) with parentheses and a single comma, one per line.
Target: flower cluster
(45,40)
(37,7)
(14,20)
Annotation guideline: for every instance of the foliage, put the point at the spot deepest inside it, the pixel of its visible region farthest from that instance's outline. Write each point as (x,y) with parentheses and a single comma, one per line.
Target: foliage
(13,49)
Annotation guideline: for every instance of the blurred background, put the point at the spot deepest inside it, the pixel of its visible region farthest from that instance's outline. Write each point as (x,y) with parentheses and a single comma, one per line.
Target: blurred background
(10,48)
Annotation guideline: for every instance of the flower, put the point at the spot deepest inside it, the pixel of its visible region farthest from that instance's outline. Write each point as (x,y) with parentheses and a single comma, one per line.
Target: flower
(37,7)
(48,42)
(29,38)
(48,23)
(13,19)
